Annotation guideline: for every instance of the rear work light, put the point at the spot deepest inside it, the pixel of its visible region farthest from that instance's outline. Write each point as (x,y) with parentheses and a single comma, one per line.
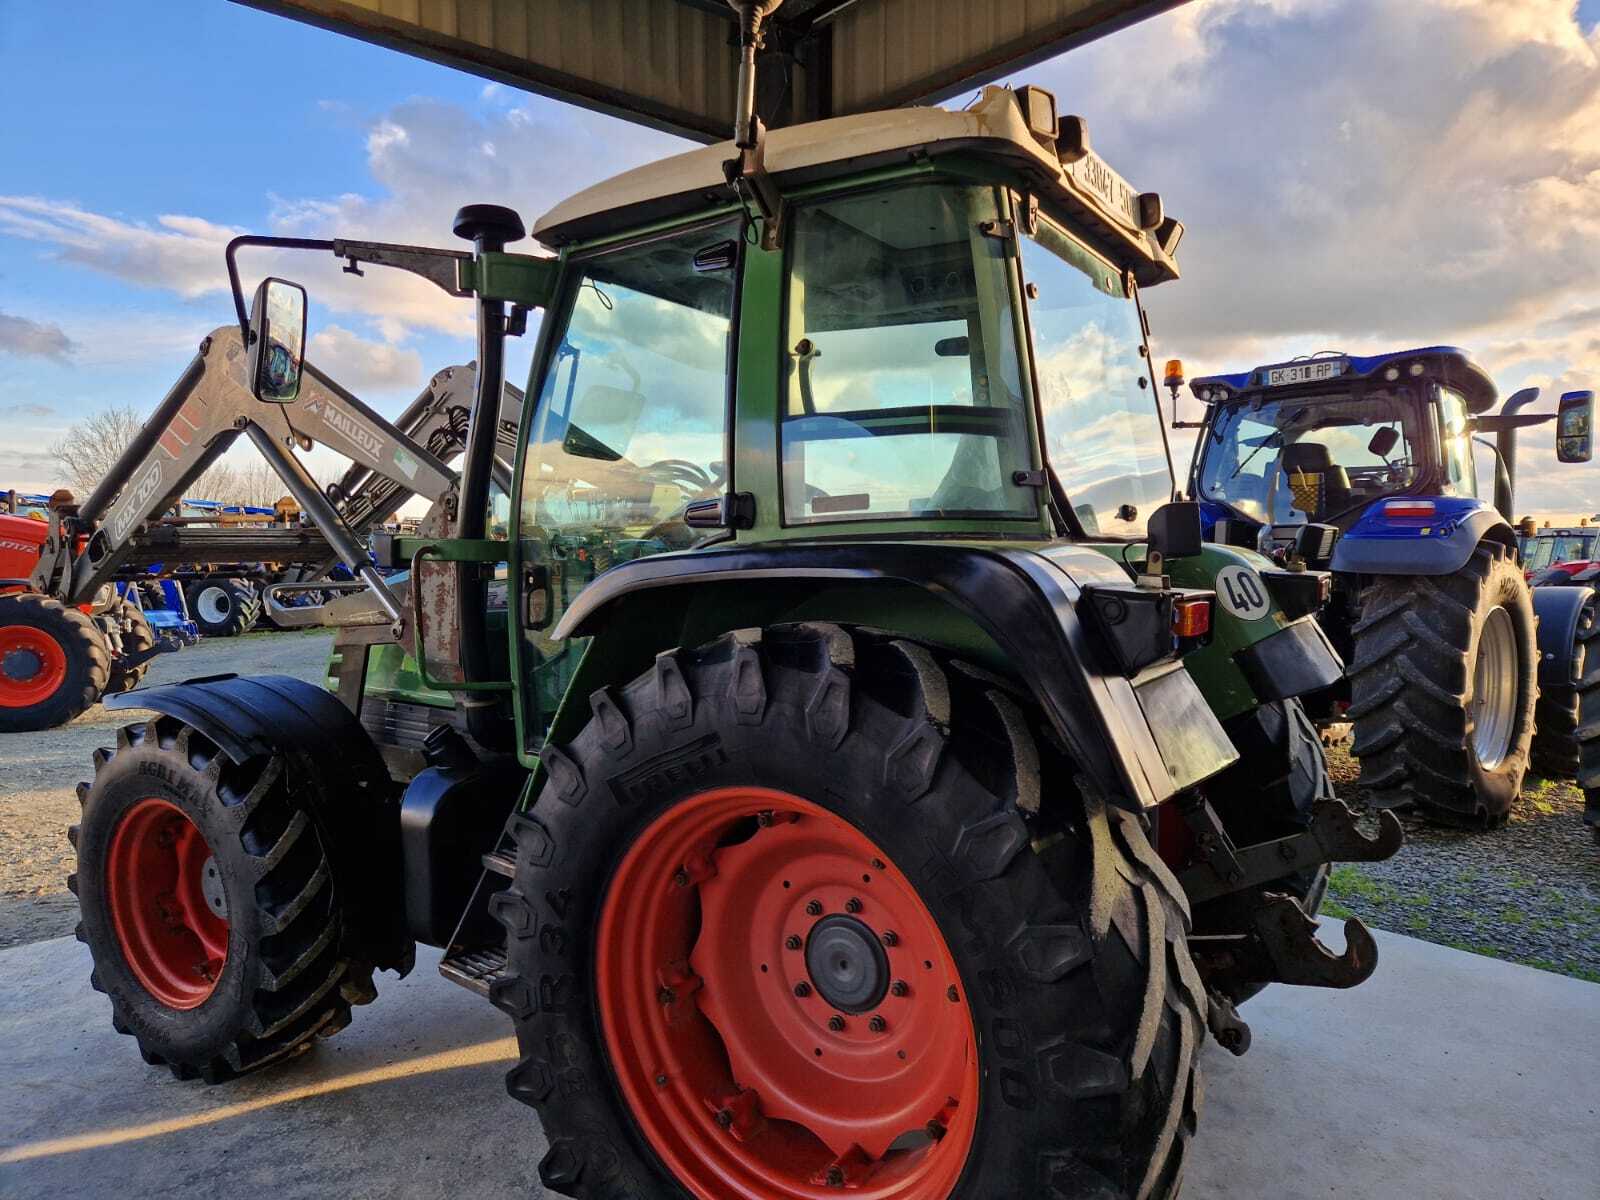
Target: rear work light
(1408,508)
(1191,618)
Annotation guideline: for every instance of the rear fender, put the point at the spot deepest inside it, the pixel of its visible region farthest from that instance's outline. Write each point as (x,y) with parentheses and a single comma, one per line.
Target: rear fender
(1141,740)
(330,762)
(1440,544)
(1559,610)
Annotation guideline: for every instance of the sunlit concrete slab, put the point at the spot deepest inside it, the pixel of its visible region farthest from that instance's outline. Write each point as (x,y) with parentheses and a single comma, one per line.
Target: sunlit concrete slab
(1447,1076)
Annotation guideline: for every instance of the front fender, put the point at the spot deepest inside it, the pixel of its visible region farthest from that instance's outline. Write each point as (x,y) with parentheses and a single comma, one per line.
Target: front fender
(1142,740)
(1439,544)
(1559,610)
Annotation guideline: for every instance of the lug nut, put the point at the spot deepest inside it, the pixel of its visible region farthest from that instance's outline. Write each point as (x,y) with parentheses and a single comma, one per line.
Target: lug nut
(764,818)
(836,1023)
(792,942)
(951,994)
(814,908)
(835,1177)
(900,987)
(661,1081)
(666,996)
(934,1130)
(680,878)
(724,1117)
(802,989)
(852,905)
(877,864)
(891,938)
(877,1024)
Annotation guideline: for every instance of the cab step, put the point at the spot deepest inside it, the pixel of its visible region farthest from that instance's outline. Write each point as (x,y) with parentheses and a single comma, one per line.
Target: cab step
(502,862)
(475,969)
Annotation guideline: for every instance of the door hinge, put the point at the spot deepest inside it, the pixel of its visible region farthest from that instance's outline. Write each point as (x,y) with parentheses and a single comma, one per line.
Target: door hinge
(1033,479)
(735,510)
(1004,230)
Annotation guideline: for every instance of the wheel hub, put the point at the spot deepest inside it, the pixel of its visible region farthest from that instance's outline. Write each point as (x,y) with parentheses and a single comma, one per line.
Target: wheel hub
(847,964)
(21,665)
(781,1008)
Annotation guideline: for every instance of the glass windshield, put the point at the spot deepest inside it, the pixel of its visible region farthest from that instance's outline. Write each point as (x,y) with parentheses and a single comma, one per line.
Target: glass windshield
(1547,550)
(1455,436)
(1102,425)
(903,385)
(1311,458)
(632,416)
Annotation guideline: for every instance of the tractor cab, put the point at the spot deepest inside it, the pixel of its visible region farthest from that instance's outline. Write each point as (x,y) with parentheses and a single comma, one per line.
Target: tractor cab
(1324,439)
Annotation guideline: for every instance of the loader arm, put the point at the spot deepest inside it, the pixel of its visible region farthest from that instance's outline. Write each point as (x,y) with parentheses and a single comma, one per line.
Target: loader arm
(199,419)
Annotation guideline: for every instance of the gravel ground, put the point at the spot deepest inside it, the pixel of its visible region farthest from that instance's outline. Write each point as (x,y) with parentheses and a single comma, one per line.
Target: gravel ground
(39,774)
(1528,892)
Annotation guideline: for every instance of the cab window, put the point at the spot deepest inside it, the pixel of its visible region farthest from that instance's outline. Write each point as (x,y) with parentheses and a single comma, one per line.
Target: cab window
(1455,440)
(903,392)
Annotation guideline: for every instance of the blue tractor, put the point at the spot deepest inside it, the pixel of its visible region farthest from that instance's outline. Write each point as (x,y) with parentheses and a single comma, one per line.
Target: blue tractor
(1459,674)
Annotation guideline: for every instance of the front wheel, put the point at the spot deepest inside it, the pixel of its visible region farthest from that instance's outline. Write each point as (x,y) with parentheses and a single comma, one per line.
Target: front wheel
(1443,689)
(54,663)
(223,607)
(780,926)
(137,639)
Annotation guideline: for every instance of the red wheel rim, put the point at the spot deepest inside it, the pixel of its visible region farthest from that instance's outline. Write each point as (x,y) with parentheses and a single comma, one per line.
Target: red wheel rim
(32,666)
(167,905)
(722,1013)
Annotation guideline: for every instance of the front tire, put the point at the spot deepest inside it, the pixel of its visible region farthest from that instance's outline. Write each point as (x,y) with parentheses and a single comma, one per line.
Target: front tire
(223,607)
(136,638)
(54,663)
(1443,689)
(209,905)
(1050,1017)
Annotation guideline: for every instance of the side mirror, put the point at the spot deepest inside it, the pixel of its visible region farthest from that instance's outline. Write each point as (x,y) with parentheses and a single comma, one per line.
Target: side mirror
(1383,441)
(1174,531)
(277,340)
(1575,427)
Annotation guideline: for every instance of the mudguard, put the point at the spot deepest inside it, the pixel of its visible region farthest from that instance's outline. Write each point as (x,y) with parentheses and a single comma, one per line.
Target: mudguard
(1141,740)
(328,757)
(1559,610)
(1438,544)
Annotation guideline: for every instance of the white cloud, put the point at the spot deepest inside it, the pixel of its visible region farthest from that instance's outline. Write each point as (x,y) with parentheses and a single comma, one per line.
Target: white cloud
(34,339)
(362,365)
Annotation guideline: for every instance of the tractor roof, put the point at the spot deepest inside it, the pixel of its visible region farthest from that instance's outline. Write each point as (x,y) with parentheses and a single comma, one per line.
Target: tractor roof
(1073,184)
(1448,365)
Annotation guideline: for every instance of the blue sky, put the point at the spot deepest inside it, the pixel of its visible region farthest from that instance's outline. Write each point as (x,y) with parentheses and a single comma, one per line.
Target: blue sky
(1434,175)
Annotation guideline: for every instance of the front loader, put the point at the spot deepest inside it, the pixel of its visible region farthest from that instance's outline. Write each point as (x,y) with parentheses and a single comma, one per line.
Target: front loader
(832,771)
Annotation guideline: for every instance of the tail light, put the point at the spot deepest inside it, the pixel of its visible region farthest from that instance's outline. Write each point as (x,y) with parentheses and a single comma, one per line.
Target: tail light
(1408,508)
(1191,619)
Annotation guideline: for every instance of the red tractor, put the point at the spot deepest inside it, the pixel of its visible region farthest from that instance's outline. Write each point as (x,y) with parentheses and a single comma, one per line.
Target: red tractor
(56,660)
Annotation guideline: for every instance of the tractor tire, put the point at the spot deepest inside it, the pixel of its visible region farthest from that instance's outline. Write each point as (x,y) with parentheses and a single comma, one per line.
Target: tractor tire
(1269,793)
(223,607)
(1566,734)
(1443,690)
(54,663)
(136,639)
(210,906)
(1040,1034)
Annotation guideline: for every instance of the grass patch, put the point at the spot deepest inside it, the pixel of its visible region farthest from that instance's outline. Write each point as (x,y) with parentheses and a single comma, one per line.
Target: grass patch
(1348,883)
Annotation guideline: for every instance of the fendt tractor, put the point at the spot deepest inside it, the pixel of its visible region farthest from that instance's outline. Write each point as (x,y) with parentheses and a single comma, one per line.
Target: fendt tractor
(821,749)
(1460,675)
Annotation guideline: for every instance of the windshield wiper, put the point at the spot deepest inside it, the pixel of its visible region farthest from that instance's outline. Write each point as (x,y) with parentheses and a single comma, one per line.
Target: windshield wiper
(1274,439)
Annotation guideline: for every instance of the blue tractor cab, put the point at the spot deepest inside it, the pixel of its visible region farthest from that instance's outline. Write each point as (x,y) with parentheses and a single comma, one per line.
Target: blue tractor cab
(1370,467)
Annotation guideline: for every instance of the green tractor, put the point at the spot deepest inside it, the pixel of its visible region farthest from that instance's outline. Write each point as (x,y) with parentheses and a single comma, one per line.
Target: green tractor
(824,743)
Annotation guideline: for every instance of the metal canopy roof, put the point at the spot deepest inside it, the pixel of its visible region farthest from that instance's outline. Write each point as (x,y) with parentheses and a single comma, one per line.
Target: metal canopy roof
(672,64)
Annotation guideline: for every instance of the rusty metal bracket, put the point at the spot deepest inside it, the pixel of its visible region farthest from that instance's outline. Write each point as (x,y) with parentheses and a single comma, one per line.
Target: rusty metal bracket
(1332,836)
(1282,947)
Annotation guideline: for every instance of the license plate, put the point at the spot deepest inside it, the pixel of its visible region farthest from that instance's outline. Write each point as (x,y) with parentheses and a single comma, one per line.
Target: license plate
(1306,372)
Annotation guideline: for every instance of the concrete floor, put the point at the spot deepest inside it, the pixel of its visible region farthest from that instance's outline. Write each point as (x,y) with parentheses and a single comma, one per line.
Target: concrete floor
(1446,1077)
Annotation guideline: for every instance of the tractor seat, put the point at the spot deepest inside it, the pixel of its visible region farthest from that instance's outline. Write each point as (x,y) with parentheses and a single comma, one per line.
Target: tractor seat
(1313,458)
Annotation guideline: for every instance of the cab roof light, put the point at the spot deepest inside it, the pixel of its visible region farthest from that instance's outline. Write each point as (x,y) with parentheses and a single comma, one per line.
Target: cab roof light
(1409,508)
(1191,618)
(1072,139)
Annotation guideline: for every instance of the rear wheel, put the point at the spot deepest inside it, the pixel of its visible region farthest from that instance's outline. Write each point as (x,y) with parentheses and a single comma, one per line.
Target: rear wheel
(223,607)
(137,638)
(209,905)
(1443,689)
(791,918)
(1566,738)
(54,663)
